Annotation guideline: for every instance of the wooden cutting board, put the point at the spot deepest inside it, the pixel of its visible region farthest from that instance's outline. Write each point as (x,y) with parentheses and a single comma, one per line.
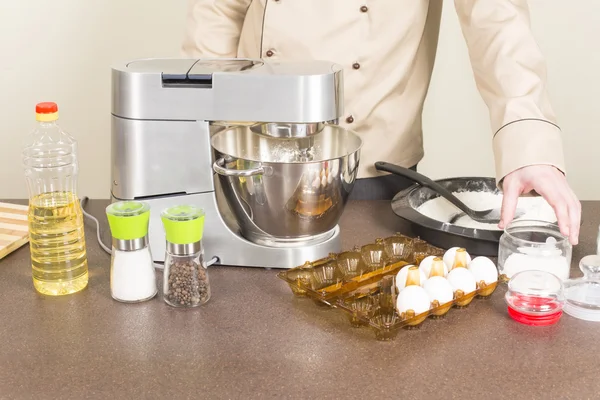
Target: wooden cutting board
(14,232)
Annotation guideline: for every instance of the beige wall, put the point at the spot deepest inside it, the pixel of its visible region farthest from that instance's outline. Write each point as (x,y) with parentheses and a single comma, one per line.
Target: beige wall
(62,50)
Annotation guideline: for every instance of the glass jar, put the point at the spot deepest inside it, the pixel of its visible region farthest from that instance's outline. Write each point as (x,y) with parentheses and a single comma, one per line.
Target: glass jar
(535,298)
(56,231)
(533,245)
(132,275)
(185,282)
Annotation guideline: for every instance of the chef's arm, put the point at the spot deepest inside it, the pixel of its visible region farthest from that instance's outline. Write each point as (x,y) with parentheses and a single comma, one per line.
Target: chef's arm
(213,27)
(510,74)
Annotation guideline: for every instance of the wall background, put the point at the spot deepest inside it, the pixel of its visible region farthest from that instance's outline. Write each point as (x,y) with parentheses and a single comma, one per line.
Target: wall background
(62,51)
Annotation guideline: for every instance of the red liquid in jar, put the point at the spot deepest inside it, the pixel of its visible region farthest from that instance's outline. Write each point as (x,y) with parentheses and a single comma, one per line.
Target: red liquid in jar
(535,310)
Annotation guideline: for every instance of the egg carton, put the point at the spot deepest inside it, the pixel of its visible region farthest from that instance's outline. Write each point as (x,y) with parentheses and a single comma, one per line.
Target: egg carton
(361,283)
(328,279)
(375,306)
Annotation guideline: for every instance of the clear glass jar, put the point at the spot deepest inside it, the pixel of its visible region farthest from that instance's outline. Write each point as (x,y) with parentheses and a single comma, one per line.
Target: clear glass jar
(132,275)
(535,298)
(534,245)
(56,230)
(185,277)
(185,282)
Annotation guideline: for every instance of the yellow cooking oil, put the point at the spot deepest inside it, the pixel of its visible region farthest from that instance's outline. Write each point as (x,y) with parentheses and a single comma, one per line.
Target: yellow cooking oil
(57,243)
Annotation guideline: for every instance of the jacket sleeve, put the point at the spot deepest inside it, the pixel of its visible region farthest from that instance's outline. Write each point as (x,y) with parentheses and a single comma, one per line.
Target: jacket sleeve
(510,73)
(213,27)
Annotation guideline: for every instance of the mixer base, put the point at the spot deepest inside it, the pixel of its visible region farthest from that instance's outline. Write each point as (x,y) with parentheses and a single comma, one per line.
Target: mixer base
(222,241)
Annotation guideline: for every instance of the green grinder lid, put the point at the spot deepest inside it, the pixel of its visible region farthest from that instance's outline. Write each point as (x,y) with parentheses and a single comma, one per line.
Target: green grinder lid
(183,224)
(128,220)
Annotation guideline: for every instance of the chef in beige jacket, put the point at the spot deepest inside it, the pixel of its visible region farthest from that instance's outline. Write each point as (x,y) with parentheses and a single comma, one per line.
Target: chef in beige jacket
(387,49)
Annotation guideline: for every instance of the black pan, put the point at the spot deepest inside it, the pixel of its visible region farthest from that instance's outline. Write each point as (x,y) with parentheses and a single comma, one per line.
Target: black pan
(478,242)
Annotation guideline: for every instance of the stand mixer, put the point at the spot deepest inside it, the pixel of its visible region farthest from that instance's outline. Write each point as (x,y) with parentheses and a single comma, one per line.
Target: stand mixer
(254,144)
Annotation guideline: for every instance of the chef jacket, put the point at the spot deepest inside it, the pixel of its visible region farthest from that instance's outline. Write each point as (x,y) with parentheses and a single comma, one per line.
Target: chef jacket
(387,50)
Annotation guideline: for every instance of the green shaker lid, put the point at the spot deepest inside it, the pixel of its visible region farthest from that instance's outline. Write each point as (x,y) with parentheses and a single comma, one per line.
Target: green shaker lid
(128,220)
(183,224)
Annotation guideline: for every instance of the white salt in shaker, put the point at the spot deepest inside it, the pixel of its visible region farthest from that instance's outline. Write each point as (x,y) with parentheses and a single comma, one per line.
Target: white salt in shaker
(132,275)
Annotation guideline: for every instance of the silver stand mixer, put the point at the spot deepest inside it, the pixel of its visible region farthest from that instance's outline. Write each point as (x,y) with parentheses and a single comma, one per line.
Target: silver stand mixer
(252,143)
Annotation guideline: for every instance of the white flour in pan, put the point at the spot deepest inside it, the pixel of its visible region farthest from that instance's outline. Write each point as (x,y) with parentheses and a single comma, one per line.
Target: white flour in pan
(440,209)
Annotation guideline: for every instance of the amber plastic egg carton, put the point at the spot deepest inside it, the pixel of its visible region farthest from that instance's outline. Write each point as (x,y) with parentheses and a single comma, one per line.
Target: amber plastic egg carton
(327,279)
(360,282)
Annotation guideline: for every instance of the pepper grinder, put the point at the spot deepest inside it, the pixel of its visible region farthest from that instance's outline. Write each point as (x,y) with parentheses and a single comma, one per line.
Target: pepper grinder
(185,282)
(132,276)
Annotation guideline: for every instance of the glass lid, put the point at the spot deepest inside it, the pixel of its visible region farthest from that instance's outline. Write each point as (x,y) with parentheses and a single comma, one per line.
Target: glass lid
(535,297)
(583,294)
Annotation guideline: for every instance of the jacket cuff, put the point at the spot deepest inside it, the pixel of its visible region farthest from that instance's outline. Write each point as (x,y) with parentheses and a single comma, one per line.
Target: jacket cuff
(527,142)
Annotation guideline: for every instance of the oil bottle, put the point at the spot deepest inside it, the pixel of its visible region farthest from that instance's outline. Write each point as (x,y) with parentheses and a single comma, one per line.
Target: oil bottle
(56,230)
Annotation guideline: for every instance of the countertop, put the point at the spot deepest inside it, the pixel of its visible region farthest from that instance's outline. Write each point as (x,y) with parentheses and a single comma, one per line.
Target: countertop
(255,340)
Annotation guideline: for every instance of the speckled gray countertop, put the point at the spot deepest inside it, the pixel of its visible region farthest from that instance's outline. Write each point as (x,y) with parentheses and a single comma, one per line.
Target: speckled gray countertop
(255,340)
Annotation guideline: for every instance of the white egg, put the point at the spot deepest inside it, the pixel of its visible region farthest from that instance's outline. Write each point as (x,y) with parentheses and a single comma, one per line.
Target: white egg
(427,263)
(403,274)
(462,279)
(413,298)
(438,288)
(450,256)
(483,269)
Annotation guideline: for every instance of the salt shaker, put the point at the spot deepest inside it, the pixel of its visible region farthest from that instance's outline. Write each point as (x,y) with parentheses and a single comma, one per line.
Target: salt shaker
(132,275)
(185,281)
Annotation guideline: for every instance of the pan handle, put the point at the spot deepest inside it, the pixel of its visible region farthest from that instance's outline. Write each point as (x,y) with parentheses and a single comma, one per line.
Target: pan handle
(219,168)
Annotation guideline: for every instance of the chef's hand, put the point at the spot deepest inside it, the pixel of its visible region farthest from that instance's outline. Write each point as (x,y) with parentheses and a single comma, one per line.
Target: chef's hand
(552,185)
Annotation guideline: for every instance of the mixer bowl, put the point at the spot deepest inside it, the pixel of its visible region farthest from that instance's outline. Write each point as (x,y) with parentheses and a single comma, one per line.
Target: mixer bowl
(279,194)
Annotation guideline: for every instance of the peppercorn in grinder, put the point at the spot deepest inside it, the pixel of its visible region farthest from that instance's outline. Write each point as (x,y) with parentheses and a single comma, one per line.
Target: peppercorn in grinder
(249,142)
(185,282)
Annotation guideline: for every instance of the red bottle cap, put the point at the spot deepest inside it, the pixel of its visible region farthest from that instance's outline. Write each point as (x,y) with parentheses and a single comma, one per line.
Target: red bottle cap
(542,320)
(549,317)
(46,108)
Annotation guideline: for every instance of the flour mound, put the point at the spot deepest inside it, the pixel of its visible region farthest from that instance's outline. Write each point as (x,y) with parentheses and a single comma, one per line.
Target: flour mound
(440,209)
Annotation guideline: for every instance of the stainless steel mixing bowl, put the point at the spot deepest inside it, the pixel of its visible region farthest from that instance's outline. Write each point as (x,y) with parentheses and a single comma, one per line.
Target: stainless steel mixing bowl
(281,192)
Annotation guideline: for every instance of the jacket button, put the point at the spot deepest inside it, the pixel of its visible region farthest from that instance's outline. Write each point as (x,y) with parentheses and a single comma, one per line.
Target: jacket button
(350,119)
(356,65)
(270,53)
(364,9)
